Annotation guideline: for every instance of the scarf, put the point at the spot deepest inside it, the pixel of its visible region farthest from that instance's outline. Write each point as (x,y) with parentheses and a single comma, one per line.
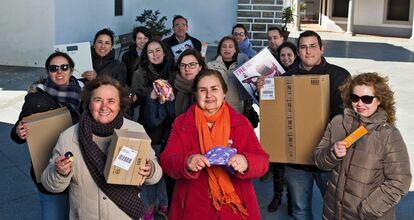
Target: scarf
(125,197)
(247,48)
(220,185)
(65,95)
(184,96)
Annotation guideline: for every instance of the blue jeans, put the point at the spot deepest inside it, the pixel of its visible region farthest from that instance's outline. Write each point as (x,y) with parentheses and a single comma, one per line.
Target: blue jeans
(300,184)
(150,194)
(54,206)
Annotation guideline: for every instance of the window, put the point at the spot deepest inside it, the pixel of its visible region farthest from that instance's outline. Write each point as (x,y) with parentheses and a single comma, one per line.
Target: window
(118,7)
(398,10)
(340,8)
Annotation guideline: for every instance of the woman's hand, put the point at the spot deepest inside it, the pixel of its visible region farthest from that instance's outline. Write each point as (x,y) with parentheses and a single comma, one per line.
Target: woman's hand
(153,94)
(339,149)
(145,171)
(197,162)
(22,130)
(89,75)
(239,163)
(63,165)
(260,83)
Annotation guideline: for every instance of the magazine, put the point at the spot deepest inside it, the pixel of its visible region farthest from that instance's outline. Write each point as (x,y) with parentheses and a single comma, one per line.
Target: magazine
(263,64)
(179,48)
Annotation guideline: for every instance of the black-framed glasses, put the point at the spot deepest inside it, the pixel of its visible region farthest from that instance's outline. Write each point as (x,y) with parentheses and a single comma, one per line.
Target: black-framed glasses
(191,65)
(367,99)
(55,68)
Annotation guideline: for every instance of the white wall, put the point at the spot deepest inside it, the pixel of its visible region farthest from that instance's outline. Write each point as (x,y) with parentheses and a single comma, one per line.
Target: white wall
(31,28)
(27,32)
(208,20)
(78,20)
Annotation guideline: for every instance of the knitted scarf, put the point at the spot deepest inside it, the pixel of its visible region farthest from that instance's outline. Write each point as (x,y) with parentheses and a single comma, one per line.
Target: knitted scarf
(184,96)
(66,95)
(247,48)
(125,197)
(220,185)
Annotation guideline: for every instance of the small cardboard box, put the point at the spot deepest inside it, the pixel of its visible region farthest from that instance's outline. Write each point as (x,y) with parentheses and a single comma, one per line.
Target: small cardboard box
(45,128)
(293,123)
(122,140)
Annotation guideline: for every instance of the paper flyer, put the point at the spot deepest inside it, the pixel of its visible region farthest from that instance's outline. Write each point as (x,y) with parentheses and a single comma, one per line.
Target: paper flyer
(179,48)
(80,54)
(263,64)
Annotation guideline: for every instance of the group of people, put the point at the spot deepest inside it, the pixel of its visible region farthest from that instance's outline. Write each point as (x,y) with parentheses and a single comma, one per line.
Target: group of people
(180,181)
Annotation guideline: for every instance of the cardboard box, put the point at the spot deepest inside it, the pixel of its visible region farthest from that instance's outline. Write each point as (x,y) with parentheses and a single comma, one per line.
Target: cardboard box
(44,129)
(293,123)
(137,142)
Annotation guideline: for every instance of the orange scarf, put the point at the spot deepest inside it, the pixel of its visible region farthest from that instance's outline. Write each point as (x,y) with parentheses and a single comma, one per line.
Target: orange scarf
(221,187)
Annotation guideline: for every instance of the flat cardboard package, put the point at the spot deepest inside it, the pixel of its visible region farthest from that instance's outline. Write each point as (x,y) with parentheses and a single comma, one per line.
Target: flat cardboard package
(45,128)
(137,142)
(292,124)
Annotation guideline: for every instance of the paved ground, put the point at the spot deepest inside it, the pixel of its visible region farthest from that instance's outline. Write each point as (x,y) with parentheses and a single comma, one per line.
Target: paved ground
(393,57)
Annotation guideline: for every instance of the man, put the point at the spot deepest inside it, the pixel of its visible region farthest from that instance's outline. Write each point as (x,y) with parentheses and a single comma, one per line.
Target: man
(274,39)
(180,28)
(300,178)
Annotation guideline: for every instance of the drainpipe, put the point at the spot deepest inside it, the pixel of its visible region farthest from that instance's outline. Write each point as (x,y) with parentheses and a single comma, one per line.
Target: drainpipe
(297,23)
(350,22)
(412,28)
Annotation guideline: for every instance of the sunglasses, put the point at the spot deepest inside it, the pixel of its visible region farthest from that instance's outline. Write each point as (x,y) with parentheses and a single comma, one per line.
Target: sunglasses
(55,68)
(367,99)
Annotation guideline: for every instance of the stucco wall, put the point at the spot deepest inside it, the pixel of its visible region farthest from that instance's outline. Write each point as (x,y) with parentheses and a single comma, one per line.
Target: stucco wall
(31,28)
(27,32)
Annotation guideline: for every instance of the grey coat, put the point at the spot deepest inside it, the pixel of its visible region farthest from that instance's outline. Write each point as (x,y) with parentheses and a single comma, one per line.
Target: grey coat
(373,175)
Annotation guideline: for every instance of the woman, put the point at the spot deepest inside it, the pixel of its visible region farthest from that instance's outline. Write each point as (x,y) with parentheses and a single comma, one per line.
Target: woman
(227,60)
(288,57)
(368,177)
(239,32)
(59,89)
(90,196)
(103,58)
(189,64)
(133,56)
(156,63)
(203,190)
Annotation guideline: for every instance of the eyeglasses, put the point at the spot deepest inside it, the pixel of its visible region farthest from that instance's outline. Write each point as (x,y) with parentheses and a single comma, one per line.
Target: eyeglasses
(309,46)
(55,68)
(241,34)
(367,99)
(191,65)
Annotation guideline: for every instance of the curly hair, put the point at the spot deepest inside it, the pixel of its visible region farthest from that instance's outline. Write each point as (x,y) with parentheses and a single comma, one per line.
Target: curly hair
(382,91)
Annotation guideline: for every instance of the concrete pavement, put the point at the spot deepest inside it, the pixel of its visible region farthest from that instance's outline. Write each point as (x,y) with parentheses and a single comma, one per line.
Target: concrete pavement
(393,57)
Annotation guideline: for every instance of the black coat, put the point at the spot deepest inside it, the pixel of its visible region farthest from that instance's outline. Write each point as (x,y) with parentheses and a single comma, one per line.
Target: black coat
(108,65)
(131,61)
(36,101)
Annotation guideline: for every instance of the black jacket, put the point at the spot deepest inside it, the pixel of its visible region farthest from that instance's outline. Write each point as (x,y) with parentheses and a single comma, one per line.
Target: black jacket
(109,65)
(36,101)
(131,61)
(172,41)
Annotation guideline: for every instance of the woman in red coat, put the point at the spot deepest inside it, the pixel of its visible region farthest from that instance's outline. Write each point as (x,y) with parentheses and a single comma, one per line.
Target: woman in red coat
(204,190)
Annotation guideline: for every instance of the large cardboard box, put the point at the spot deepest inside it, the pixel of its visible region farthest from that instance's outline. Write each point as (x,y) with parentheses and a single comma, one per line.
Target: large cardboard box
(45,129)
(128,152)
(293,122)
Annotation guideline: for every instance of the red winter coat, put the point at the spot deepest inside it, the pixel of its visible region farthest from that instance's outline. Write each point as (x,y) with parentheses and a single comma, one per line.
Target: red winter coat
(191,199)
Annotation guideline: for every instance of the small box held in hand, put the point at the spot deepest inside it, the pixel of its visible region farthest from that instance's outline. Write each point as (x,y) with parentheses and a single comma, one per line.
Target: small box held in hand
(355,135)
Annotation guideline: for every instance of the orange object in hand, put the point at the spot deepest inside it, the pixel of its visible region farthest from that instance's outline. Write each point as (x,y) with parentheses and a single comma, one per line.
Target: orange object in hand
(355,135)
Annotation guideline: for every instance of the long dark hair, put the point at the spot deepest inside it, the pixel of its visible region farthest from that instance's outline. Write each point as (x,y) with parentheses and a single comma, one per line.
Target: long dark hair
(167,63)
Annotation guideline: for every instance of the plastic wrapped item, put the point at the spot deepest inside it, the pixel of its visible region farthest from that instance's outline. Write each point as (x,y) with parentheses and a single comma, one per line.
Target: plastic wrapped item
(164,90)
(220,156)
